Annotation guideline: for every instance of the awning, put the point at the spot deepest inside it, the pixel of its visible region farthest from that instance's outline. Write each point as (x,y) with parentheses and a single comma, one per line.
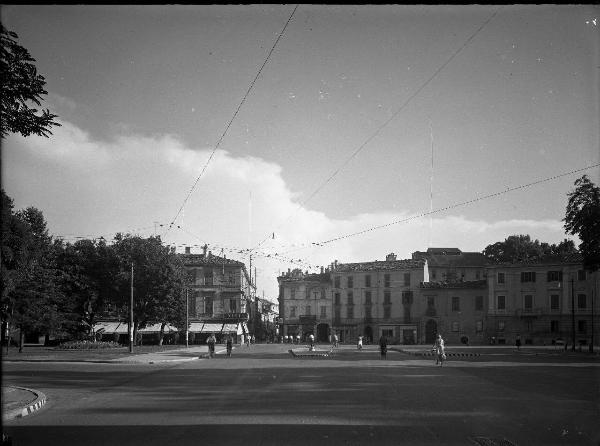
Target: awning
(230,328)
(202,327)
(110,327)
(156,328)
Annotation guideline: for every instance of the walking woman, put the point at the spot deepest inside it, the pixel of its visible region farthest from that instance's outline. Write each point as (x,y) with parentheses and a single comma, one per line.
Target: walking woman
(383,346)
(229,346)
(440,355)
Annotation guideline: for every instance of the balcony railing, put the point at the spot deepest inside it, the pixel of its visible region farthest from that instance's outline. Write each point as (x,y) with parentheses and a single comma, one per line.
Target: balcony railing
(529,312)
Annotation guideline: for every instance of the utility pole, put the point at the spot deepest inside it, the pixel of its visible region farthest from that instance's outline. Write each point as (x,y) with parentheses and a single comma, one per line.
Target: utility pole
(593,302)
(131,314)
(187,309)
(572,315)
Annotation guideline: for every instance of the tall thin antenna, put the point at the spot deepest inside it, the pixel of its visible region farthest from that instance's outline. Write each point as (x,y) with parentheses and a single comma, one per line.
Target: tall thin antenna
(430,185)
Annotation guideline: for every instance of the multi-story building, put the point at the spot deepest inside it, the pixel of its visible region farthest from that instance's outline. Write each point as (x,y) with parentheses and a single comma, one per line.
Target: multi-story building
(542,301)
(465,299)
(219,297)
(305,304)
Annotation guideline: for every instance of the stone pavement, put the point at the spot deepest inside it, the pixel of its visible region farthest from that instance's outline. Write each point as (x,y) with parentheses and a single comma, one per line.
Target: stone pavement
(180,355)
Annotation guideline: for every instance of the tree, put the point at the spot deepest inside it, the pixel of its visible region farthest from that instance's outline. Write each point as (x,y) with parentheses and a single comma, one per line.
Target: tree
(30,296)
(519,248)
(157,282)
(582,218)
(21,84)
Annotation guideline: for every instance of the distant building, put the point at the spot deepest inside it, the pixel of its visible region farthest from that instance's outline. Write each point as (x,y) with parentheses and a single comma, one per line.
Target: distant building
(220,296)
(543,301)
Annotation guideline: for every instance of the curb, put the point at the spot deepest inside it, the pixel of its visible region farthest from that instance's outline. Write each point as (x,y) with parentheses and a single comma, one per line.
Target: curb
(319,354)
(456,355)
(27,410)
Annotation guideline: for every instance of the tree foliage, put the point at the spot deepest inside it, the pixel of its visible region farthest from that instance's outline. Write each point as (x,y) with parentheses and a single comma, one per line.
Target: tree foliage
(21,85)
(518,248)
(582,218)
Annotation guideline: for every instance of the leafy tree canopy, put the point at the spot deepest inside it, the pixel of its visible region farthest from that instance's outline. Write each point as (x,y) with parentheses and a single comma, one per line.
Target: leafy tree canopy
(21,85)
(582,218)
(518,248)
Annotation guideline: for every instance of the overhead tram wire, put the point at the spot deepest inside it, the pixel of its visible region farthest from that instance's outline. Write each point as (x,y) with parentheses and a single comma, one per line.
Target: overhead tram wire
(212,154)
(464,203)
(387,122)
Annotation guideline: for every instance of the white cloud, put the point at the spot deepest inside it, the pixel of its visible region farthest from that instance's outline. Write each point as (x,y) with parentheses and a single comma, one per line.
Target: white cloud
(94,188)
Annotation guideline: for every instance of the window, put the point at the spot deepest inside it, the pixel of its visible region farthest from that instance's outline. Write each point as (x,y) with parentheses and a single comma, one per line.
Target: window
(581,275)
(407,297)
(233,306)
(350,312)
(367,298)
(350,282)
(501,302)
(406,279)
(323,295)
(479,326)
(388,333)
(292,311)
(386,298)
(582,326)
(528,301)
(350,298)
(208,305)
(336,298)
(430,302)
(455,303)
(477,275)
(337,314)
(387,312)
(528,325)
(367,312)
(554,276)
(433,274)
(293,291)
(501,325)
(316,294)
(455,326)
(554,302)
(581,301)
(323,311)
(386,280)
(527,276)
(478,303)
(554,326)
(336,282)
(368,281)
(500,278)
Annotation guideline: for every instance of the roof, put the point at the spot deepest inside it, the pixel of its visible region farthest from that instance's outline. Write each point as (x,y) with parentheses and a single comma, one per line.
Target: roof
(546,260)
(208,260)
(451,258)
(379,265)
(324,277)
(447,285)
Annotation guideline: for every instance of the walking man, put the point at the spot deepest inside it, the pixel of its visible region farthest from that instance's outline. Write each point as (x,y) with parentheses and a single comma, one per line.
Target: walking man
(211,341)
(439,348)
(383,346)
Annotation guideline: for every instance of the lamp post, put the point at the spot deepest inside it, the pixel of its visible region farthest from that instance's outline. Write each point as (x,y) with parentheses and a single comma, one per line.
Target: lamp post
(187,309)
(131,313)
(572,315)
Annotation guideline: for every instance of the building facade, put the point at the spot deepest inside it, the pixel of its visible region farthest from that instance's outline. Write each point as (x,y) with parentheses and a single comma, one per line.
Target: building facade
(443,290)
(542,302)
(219,297)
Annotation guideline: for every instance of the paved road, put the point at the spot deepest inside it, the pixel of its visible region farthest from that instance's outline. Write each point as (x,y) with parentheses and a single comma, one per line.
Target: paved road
(263,396)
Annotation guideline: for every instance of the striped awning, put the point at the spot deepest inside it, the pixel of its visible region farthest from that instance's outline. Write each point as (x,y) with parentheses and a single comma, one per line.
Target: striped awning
(110,327)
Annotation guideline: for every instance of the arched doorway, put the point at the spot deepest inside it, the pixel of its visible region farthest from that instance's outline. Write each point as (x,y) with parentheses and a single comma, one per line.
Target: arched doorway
(368,334)
(430,331)
(322,333)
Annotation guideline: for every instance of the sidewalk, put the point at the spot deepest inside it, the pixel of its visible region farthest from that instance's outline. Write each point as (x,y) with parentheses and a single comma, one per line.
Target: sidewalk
(179,355)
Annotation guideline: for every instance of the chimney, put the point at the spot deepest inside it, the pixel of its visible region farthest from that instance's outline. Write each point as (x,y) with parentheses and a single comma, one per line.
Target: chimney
(187,250)
(204,248)
(321,270)
(335,264)
(209,254)
(390,257)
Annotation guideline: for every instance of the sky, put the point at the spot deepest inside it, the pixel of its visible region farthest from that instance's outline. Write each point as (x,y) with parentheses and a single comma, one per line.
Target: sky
(363,120)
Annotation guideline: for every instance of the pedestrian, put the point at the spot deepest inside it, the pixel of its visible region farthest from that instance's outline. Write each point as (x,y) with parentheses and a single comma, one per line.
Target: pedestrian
(211,341)
(298,339)
(336,342)
(229,346)
(383,346)
(248,341)
(360,343)
(311,338)
(439,348)
(518,342)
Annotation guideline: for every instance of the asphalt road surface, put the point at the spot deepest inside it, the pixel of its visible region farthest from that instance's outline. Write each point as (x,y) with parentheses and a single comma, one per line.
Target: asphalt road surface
(263,396)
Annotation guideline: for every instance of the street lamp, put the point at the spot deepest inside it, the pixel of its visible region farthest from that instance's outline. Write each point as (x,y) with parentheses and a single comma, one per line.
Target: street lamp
(187,309)
(572,315)
(131,314)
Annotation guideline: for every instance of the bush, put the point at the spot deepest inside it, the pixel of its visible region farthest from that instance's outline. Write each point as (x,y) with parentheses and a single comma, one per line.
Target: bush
(88,345)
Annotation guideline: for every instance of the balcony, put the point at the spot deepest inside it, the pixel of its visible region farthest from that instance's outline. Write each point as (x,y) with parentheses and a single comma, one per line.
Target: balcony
(430,311)
(498,312)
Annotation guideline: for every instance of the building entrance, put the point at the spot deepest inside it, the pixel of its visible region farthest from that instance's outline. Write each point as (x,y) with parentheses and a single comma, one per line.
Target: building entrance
(430,331)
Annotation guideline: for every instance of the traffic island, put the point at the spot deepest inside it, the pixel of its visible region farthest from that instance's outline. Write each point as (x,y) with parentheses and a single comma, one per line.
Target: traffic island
(306,352)
(18,402)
